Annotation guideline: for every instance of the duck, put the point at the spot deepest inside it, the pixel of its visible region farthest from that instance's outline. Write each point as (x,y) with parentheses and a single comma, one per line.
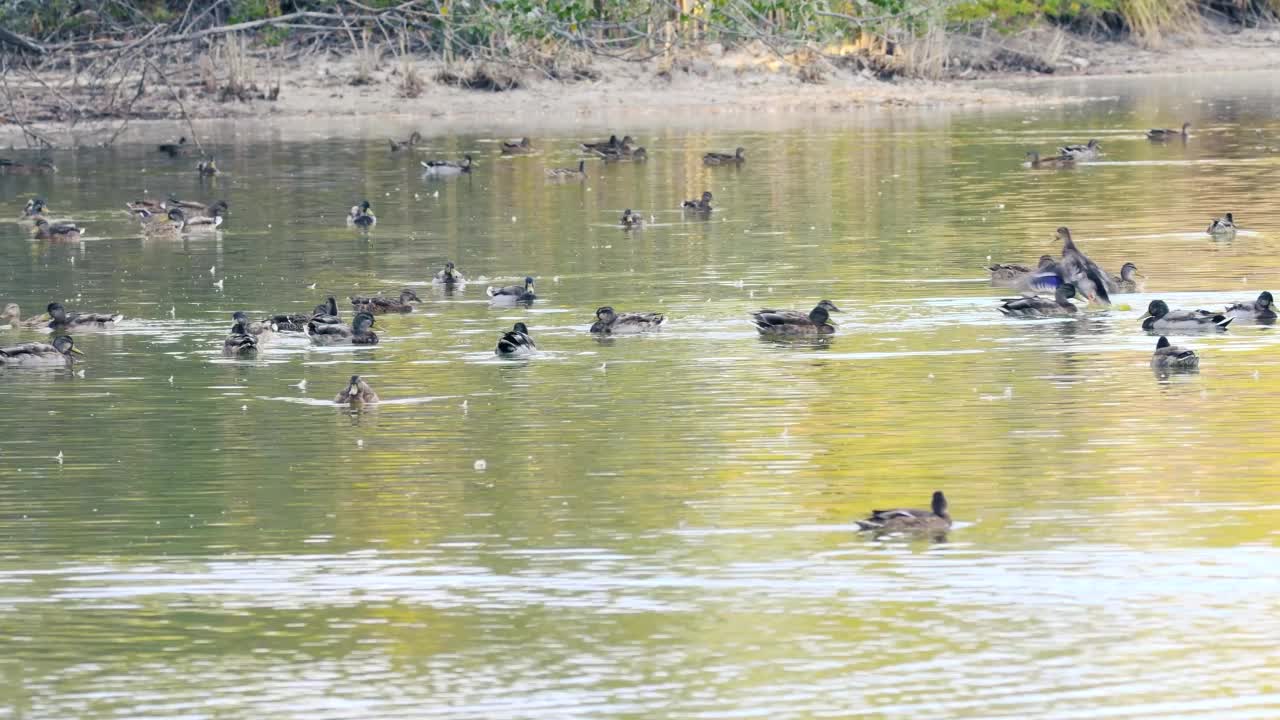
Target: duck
(702,205)
(136,208)
(1037,307)
(519,147)
(715,158)
(34,210)
(609,322)
(1035,162)
(1081,153)
(207,168)
(624,151)
(326,313)
(59,353)
(1077,269)
(1223,226)
(1261,310)
(217,208)
(630,219)
(166,224)
(449,276)
(609,144)
(445,167)
(175,149)
(60,320)
(1165,134)
(339,334)
(795,322)
(568,173)
(240,341)
(513,293)
(199,223)
(357,392)
(13,316)
(44,166)
(362,216)
(516,342)
(65,232)
(1127,281)
(1160,318)
(378,305)
(262,330)
(415,137)
(935,519)
(1009,274)
(1169,356)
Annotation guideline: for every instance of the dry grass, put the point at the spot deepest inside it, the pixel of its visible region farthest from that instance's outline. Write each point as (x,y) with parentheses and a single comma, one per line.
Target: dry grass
(1151,21)
(365,56)
(411,83)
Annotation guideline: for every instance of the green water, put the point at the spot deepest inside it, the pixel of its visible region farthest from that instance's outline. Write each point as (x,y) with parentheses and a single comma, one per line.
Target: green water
(663,527)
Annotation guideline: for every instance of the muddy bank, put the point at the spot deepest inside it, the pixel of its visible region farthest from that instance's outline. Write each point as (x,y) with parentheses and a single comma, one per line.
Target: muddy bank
(711,87)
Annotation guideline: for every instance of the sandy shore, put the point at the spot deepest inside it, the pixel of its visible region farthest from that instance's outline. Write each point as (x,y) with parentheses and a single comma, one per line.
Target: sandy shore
(713,88)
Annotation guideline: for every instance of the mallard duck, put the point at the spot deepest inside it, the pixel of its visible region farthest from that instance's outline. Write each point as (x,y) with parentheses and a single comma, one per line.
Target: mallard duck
(1223,226)
(622,152)
(33,211)
(397,145)
(519,147)
(1160,318)
(1127,281)
(357,392)
(1081,153)
(609,322)
(1035,162)
(513,293)
(378,305)
(1261,310)
(197,224)
(1172,356)
(217,208)
(326,313)
(714,158)
(1077,269)
(702,205)
(1164,134)
(338,334)
(165,224)
(175,149)
(362,216)
(516,342)
(137,208)
(13,316)
(630,219)
(568,173)
(61,321)
(263,330)
(14,167)
(1009,274)
(449,276)
(59,353)
(935,519)
(1036,306)
(795,322)
(207,168)
(65,232)
(609,144)
(240,341)
(445,167)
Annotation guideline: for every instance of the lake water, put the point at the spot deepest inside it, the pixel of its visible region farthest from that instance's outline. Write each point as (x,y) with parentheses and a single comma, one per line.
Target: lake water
(663,525)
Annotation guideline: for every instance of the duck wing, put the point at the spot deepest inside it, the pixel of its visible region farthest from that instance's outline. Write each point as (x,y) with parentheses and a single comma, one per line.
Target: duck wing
(1085,274)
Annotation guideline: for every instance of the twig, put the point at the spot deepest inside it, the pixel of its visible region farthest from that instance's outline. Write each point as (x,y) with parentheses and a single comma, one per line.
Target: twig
(181,106)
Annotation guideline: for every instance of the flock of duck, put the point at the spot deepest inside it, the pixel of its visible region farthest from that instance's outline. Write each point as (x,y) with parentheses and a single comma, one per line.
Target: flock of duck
(1071,276)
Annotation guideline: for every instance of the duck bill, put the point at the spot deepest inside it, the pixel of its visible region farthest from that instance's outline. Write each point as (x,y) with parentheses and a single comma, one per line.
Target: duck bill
(77,351)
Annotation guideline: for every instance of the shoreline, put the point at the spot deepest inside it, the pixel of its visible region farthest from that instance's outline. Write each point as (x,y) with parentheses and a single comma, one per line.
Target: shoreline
(712,90)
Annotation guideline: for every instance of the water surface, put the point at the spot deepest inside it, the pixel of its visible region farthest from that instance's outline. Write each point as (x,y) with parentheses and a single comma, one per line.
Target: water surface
(663,525)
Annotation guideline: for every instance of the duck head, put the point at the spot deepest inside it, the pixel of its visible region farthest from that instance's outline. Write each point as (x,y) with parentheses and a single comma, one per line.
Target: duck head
(362,322)
(1046,262)
(1033,156)
(528,284)
(466,161)
(1094,144)
(1163,342)
(1157,309)
(355,387)
(1064,235)
(819,314)
(56,311)
(740,153)
(408,294)
(65,345)
(706,197)
(1230,219)
(606,315)
(239,317)
(939,504)
(241,327)
(35,206)
(176,215)
(1265,300)
(520,328)
(1185,127)
(1128,271)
